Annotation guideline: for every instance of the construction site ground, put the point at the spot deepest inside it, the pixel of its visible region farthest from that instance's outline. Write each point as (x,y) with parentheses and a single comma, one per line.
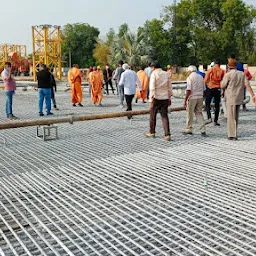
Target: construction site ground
(103,188)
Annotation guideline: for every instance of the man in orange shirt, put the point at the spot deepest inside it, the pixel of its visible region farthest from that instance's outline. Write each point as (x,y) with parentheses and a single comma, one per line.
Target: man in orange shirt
(213,77)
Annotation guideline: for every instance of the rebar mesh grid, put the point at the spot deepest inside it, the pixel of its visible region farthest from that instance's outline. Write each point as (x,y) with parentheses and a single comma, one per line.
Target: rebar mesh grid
(104,189)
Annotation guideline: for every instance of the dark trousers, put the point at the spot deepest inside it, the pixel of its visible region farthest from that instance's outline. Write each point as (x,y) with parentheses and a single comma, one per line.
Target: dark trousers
(129,99)
(109,82)
(216,94)
(162,106)
(53,98)
(244,105)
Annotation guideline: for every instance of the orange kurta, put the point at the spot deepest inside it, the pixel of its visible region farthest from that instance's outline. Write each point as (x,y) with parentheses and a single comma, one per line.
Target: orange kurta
(75,81)
(142,75)
(96,86)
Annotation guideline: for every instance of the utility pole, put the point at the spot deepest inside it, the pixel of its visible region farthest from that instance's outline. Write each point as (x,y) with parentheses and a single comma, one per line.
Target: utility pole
(174,33)
(70,59)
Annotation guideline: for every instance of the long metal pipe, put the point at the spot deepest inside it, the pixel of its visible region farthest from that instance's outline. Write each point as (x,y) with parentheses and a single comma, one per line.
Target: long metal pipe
(73,118)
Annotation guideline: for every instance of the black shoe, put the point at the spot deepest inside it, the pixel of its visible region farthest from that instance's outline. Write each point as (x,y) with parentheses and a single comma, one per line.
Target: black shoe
(41,114)
(12,117)
(136,100)
(80,105)
(49,114)
(187,133)
(74,105)
(216,124)
(203,134)
(232,138)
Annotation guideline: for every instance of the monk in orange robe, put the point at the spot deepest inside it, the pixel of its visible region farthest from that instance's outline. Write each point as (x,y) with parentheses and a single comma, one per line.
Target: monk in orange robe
(75,81)
(96,86)
(144,80)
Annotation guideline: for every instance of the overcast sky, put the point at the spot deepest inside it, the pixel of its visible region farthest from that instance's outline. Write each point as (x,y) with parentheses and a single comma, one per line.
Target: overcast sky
(18,17)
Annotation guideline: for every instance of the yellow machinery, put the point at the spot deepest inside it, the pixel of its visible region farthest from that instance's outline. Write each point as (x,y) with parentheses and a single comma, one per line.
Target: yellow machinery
(8,50)
(47,49)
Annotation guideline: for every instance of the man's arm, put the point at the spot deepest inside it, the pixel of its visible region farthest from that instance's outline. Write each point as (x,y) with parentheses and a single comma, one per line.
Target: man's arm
(6,76)
(121,82)
(188,92)
(225,81)
(249,88)
(152,86)
(138,81)
(169,88)
(115,74)
(207,77)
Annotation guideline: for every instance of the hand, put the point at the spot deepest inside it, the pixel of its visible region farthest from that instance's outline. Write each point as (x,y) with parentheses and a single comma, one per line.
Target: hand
(170,102)
(185,104)
(36,89)
(254,99)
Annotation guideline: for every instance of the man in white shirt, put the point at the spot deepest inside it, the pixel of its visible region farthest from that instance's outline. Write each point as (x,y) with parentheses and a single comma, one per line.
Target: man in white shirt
(160,98)
(129,80)
(194,101)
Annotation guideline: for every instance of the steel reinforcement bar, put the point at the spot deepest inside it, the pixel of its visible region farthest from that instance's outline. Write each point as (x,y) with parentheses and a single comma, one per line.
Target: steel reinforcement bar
(73,118)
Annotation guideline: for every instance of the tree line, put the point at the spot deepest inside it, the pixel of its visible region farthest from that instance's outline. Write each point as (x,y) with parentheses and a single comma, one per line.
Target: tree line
(194,31)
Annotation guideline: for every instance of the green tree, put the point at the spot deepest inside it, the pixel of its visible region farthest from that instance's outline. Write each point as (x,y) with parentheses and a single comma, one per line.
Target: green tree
(110,37)
(101,53)
(208,29)
(160,39)
(123,29)
(131,48)
(80,39)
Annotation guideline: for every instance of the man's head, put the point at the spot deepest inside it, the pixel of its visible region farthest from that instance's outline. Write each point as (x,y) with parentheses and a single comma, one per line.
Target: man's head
(231,63)
(75,66)
(120,63)
(155,65)
(7,65)
(192,69)
(107,66)
(94,68)
(43,67)
(98,67)
(205,67)
(142,67)
(125,66)
(168,66)
(232,56)
(217,62)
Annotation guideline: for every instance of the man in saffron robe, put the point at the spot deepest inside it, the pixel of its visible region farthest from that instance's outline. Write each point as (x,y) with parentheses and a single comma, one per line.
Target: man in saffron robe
(75,81)
(96,86)
(144,80)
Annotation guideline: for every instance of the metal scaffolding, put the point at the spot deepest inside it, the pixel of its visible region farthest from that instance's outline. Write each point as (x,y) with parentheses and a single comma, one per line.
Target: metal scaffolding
(47,49)
(7,50)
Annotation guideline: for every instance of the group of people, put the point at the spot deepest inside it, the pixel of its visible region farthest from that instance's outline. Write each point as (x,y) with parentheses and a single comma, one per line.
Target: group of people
(151,83)
(212,85)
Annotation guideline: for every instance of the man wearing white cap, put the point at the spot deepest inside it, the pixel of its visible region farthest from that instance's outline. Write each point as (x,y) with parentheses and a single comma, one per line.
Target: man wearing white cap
(194,101)
(129,80)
